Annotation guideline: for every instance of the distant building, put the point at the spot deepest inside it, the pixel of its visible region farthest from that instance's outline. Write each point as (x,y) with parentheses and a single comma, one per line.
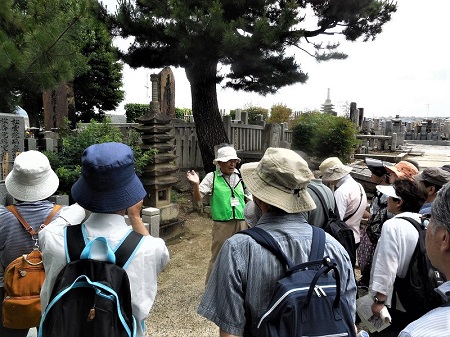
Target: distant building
(328,107)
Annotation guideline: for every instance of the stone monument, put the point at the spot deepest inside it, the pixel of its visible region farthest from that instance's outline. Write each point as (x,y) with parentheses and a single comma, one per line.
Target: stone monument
(158,177)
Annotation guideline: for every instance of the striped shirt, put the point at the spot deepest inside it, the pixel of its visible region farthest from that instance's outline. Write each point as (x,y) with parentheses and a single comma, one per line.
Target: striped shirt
(435,323)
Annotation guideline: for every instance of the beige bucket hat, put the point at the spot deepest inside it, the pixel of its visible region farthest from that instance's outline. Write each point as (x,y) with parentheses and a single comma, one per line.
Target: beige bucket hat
(280,179)
(225,154)
(332,169)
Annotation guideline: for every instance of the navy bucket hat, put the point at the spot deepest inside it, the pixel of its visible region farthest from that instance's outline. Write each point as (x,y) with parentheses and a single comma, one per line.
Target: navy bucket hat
(108,182)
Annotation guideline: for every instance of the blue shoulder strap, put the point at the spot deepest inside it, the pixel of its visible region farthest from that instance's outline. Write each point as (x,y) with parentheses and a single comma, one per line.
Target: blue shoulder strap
(267,241)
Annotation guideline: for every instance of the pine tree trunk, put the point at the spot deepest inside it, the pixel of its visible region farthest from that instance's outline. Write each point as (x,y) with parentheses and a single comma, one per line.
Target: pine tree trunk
(205,109)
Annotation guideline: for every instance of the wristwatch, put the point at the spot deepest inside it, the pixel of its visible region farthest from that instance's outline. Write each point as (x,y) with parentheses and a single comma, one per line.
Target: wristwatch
(378,301)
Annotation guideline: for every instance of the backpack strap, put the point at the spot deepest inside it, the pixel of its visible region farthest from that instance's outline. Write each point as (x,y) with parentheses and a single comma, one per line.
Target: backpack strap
(75,244)
(267,241)
(127,248)
(28,228)
(357,208)
(413,222)
(326,210)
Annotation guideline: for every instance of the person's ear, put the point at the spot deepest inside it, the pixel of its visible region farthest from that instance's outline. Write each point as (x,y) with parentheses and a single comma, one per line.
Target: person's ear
(399,204)
(445,240)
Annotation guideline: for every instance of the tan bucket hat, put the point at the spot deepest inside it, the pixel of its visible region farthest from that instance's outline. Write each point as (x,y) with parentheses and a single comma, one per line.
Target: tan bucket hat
(332,169)
(280,179)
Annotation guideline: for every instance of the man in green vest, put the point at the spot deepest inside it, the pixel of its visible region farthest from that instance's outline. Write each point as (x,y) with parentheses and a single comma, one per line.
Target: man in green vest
(227,198)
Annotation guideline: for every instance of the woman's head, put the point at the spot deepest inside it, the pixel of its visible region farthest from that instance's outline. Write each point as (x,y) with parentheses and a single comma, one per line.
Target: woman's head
(411,193)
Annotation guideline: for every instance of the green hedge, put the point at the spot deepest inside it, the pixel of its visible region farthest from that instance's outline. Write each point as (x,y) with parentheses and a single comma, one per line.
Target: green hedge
(323,135)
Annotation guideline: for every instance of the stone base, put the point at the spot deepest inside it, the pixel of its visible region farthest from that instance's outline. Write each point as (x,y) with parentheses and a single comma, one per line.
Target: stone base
(169,212)
(170,230)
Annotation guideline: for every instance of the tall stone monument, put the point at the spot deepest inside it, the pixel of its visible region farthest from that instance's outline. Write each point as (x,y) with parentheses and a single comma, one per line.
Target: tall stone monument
(56,106)
(158,177)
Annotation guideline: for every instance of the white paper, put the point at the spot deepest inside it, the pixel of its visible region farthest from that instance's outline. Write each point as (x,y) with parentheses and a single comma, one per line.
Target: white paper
(364,311)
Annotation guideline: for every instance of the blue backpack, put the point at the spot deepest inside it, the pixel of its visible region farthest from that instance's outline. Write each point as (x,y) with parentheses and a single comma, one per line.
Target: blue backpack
(307,300)
(90,297)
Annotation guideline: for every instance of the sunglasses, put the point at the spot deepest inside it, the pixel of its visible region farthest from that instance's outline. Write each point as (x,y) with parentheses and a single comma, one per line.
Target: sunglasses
(425,220)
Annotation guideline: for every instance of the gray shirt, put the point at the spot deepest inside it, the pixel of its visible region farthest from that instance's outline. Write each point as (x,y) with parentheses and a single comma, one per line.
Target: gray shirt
(244,276)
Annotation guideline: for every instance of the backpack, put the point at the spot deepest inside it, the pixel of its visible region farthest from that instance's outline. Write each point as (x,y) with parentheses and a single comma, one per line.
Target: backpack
(307,300)
(91,297)
(337,228)
(23,279)
(416,289)
(376,221)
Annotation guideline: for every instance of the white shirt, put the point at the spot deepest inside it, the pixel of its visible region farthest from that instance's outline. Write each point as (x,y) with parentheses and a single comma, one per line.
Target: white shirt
(348,197)
(393,254)
(148,261)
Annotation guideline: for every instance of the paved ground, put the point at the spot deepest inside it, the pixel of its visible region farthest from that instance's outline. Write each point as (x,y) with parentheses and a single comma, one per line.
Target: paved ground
(429,155)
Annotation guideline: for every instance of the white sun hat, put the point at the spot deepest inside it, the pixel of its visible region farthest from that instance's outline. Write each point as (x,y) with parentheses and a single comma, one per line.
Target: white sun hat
(31,178)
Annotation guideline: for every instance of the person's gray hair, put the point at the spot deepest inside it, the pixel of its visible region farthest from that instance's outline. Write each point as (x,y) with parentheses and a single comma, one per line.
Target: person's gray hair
(440,208)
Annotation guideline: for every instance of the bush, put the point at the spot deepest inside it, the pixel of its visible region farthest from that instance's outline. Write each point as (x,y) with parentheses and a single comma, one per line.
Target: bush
(253,113)
(67,162)
(134,110)
(323,135)
(280,113)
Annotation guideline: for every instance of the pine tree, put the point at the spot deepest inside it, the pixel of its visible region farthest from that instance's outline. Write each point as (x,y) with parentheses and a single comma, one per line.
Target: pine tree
(241,44)
(39,45)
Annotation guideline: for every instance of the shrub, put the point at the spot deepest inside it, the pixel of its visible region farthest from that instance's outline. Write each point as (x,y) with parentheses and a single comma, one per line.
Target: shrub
(280,113)
(253,113)
(67,162)
(135,110)
(323,135)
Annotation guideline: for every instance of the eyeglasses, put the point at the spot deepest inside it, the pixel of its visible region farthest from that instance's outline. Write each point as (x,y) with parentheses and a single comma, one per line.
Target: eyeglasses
(425,220)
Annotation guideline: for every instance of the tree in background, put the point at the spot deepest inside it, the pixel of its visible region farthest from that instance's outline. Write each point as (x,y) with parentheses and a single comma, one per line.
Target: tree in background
(250,38)
(67,162)
(280,113)
(39,46)
(322,135)
(253,113)
(99,88)
(135,110)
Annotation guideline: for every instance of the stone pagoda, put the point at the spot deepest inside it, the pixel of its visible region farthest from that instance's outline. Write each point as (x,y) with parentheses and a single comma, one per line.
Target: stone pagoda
(157,133)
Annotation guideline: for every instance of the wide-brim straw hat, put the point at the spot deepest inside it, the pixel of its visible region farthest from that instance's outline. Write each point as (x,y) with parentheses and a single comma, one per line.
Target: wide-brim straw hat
(225,154)
(332,169)
(31,178)
(108,182)
(280,179)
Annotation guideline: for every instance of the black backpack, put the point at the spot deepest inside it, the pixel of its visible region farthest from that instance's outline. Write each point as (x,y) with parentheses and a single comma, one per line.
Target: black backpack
(416,289)
(90,297)
(307,300)
(337,228)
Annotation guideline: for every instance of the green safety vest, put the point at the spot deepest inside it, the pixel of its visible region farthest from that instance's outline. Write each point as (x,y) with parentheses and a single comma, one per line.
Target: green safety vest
(221,208)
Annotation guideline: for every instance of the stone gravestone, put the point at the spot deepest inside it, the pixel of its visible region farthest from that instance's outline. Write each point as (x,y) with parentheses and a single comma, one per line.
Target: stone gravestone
(56,107)
(167,92)
(354,114)
(12,134)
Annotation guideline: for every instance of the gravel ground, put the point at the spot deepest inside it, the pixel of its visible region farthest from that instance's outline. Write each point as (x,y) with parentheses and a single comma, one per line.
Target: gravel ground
(181,284)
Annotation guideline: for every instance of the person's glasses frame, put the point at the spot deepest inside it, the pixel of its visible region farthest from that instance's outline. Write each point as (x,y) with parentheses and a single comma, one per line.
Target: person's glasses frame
(425,220)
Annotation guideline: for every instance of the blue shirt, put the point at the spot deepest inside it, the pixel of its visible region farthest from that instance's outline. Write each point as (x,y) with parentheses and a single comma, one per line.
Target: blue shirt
(434,323)
(244,276)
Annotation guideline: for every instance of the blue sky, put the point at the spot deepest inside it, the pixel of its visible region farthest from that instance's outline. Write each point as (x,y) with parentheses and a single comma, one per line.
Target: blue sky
(405,71)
